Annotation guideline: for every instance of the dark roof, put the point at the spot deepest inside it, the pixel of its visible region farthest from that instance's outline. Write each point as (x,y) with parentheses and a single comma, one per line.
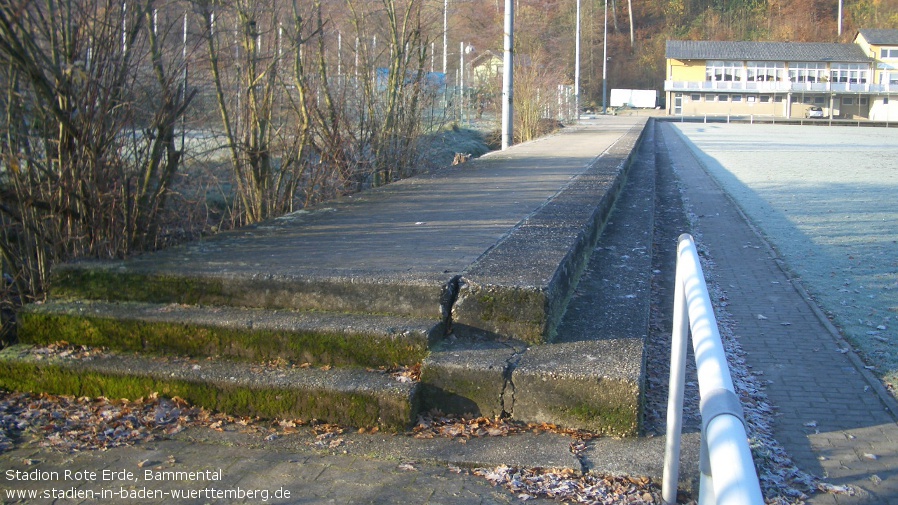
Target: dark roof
(764,51)
(880,37)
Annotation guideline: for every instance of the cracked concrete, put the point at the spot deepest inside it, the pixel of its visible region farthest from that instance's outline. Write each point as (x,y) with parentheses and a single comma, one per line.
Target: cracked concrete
(508,388)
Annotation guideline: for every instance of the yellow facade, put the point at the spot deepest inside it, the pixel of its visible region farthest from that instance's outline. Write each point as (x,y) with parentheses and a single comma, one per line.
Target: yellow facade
(785,79)
(686,70)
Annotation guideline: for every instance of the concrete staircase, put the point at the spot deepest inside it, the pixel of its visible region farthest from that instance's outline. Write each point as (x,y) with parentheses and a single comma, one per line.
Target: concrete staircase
(465,290)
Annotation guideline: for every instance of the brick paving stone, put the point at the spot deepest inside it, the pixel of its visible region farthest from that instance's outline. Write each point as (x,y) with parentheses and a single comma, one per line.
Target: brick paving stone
(809,380)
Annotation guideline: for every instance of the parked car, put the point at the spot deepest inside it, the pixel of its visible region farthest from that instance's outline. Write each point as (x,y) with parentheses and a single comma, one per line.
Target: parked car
(813,112)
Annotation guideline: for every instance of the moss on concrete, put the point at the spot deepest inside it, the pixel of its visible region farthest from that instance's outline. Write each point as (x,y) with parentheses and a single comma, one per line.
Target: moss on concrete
(516,312)
(609,419)
(101,283)
(326,348)
(348,408)
(610,407)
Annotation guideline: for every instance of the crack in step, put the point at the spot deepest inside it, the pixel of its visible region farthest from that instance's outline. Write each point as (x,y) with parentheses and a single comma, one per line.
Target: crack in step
(508,389)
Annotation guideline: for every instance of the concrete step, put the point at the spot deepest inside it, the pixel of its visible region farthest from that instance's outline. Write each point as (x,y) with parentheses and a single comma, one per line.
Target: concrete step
(592,375)
(249,334)
(349,396)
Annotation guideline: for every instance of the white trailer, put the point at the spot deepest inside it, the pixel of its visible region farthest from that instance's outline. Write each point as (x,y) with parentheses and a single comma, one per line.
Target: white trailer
(636,98)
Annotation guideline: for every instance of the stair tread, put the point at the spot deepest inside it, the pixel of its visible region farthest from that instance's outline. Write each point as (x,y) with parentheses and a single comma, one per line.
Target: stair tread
(241,317)
(328,393)
(253,334)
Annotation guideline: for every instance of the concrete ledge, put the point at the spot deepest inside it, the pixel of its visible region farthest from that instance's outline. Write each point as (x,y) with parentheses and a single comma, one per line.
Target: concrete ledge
(471,376)
(592,385)
(346,396)
(142,280)
(520,288)
(249,334)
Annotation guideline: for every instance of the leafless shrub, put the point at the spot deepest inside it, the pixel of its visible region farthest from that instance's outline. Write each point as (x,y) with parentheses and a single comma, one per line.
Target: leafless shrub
(90,101)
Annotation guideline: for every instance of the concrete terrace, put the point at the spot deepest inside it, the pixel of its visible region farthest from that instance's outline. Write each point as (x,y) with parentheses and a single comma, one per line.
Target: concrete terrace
(465,272)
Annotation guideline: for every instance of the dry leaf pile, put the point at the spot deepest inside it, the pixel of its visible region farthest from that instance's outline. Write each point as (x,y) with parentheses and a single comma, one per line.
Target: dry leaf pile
(435,424)
(567,485)
(70,424)
(75,424)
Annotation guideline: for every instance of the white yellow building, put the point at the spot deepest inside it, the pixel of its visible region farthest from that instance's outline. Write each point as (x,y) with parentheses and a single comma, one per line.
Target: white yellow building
(785,79)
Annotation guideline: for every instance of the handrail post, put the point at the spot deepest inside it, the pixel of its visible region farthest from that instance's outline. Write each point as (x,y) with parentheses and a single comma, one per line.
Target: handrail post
(679,341)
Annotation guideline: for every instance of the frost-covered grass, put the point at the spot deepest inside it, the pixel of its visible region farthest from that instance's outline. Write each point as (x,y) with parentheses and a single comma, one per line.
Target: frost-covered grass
(827,200)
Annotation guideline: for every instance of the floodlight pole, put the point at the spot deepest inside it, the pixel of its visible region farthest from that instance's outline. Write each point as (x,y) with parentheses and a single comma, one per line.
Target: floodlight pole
(507,74)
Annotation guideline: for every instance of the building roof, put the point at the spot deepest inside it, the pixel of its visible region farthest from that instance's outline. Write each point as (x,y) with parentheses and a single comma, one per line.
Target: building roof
(764,51)
(486,57)
(880,37)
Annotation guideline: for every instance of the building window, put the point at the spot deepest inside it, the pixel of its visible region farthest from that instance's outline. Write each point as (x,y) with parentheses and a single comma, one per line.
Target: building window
(807,72)
(765,98)
(818,100)
(724,71)
(847,101)
(723,98)
(737,98)
(696,97)
(888,53)
(863,101)
(765,71)
(852,73)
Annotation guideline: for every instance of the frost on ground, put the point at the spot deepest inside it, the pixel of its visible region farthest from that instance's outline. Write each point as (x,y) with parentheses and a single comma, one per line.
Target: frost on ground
(827,204)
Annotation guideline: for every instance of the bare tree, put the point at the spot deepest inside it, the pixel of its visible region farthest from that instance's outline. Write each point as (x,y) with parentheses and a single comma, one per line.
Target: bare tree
(87,151)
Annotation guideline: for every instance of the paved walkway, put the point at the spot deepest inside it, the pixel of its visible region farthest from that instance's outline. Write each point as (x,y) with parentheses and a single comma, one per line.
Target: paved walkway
(833,416)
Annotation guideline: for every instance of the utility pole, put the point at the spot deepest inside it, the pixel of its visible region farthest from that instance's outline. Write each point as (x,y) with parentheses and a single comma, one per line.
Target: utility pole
(507,77)
(840,18)
(605,63)
(577,69)
(461,81)
(445,33)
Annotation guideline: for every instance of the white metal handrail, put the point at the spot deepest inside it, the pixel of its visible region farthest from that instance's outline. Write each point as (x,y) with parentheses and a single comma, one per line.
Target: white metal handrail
(728,472)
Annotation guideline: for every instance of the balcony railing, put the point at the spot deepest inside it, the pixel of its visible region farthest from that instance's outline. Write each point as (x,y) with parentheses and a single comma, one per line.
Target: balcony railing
(781,86)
